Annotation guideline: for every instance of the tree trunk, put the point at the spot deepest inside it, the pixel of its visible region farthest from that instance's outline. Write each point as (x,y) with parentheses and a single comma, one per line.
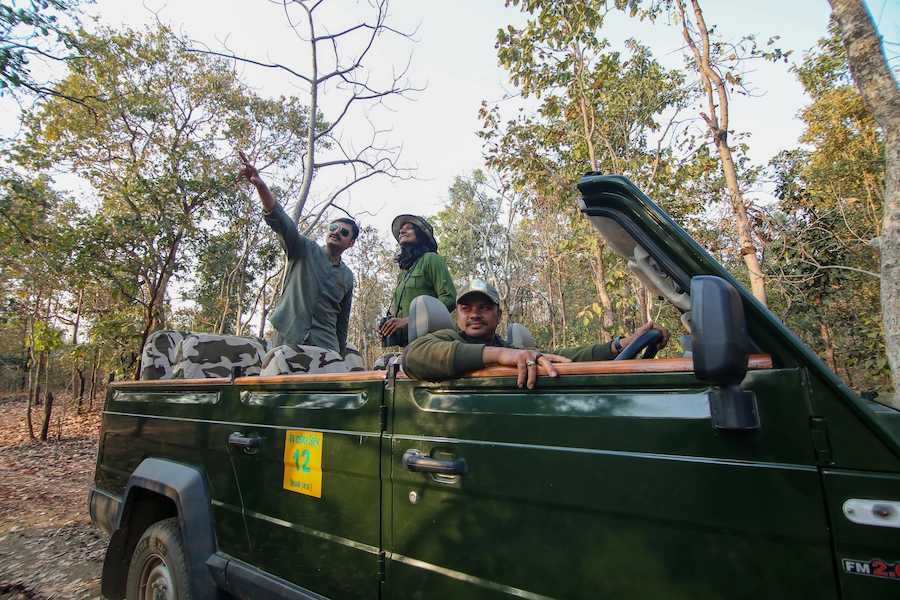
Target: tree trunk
(609,316)
(829,345)
(629,316)
(48,408)
(717,122)
(28,423)
(551,312)
(881,94)
(745,230)
(643,309)
(264,307)
(562,306)
(39,362)
(95,366)
(239,309)
(79,397)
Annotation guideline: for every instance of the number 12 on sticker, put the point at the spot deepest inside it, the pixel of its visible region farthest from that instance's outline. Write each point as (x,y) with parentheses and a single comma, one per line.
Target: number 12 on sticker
(303,462)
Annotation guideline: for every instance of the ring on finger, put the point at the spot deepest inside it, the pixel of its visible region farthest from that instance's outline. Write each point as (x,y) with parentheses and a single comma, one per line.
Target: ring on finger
(529,363)
(537,357)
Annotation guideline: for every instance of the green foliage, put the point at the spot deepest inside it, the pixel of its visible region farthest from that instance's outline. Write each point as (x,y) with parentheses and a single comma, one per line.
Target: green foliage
(155,138)
(30,30)
(469,229)
(598,110)
(831,204)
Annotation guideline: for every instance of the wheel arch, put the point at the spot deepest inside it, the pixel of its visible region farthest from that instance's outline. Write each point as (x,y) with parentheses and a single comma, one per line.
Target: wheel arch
(159,489)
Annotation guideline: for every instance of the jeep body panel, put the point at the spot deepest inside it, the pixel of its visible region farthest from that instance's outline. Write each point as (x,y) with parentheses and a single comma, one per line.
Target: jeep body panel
(332,540)
(606,486)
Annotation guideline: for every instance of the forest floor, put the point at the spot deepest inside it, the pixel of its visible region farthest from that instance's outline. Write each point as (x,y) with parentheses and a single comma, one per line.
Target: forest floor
(48,547)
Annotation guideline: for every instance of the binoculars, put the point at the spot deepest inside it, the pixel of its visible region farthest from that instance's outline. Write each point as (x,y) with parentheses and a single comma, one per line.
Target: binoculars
(389,340)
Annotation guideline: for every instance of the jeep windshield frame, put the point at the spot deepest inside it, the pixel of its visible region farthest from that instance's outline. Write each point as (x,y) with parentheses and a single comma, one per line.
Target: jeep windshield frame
(617,198)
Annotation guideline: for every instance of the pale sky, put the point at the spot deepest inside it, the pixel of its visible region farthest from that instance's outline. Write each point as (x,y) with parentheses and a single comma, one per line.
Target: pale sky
(454,56)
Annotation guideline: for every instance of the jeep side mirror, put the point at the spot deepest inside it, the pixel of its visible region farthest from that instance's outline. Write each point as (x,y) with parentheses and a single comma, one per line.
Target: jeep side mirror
(720,350)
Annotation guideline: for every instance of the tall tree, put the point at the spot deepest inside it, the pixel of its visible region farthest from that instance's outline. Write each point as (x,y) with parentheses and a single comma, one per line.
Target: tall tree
(155,139)
(480,237)
(340,61)
(719,65)
(880,91)
(36,235)
(597,110)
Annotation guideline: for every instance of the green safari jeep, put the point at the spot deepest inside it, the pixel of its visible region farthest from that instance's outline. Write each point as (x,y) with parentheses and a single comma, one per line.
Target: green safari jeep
(743,470)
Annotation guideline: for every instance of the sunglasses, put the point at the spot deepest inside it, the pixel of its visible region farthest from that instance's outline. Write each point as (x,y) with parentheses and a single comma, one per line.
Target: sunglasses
(335,227)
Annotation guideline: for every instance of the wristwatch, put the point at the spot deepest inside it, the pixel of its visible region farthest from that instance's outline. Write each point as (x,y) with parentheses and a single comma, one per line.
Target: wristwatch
(618,343)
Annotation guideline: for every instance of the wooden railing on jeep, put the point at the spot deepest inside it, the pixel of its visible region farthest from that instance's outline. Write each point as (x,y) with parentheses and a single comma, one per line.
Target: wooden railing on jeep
(658,365)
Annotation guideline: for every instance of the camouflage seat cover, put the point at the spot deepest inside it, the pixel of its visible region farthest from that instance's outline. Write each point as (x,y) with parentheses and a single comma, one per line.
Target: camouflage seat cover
(158,355)
(202,355)
(382,362)
(291,359)
(353,359)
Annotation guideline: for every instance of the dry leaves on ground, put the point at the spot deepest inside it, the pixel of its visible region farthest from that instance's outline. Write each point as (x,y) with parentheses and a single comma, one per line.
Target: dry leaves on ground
(48,547)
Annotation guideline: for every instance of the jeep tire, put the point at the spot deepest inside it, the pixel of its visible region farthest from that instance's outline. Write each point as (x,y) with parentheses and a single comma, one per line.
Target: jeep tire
(158,569)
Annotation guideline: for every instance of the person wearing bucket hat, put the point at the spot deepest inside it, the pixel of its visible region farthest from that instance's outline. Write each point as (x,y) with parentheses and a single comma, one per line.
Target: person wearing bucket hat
(474,344)
(422,272)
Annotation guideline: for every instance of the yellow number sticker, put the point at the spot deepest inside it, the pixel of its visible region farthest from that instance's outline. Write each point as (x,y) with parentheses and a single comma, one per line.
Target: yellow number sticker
(303,462)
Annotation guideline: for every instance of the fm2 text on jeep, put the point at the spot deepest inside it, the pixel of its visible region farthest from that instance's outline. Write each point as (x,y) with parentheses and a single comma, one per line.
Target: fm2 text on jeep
(743,470)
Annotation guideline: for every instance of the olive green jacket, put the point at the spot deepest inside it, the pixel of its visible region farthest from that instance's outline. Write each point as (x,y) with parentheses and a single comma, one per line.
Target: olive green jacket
(315,306)
(430,277)
(447,354)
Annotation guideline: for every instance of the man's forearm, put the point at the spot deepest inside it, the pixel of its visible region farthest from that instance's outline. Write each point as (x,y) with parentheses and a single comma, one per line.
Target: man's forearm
(434,357)
(495,355)
(268,200)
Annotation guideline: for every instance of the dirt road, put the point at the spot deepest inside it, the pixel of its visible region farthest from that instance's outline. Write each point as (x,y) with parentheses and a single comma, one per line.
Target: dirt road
(48,547)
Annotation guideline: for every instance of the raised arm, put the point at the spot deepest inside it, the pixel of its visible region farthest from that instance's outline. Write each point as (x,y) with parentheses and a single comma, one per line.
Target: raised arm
(251,174)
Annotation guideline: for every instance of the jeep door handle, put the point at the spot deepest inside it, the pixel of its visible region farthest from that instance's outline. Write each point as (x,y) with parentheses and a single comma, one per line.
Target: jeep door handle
(247,443)
(413,460)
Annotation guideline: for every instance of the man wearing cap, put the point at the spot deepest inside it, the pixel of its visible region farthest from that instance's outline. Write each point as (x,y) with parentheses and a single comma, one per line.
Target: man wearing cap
(422,273)
(315,305)
(474,344)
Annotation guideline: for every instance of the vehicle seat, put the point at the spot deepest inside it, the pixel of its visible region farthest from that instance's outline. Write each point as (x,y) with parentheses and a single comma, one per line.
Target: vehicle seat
(427,314)
(291,359)
(385,360)
(518,335)
(202,355)
(685,342)
(353,359)
(158,355)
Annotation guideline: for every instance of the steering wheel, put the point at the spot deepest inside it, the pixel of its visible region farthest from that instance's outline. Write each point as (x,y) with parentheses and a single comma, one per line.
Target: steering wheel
(647,340)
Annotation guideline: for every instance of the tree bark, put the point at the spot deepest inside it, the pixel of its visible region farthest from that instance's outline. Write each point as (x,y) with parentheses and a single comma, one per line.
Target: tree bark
(48,409)
(95,366)
(77,361)
(881,94)
(717,122)
(609,316)
(829,345)
(28,423)
(643,306)
(79,394)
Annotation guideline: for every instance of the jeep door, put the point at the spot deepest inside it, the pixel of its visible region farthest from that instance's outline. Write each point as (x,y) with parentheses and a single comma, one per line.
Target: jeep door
(606,485)
(311,489)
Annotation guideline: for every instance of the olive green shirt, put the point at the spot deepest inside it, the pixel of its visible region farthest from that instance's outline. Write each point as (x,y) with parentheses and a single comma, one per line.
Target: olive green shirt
(430,277)
(315,306)
(448,353)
